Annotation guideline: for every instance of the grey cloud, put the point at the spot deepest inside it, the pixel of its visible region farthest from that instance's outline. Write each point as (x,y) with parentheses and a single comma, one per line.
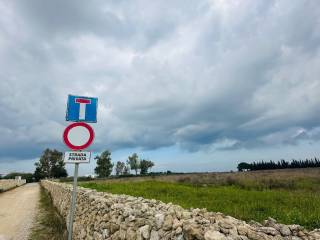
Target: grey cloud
(71,17)
(202,75)
(136,24)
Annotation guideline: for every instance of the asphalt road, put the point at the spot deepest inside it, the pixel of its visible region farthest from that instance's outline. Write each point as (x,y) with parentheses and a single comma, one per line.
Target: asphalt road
(18,208)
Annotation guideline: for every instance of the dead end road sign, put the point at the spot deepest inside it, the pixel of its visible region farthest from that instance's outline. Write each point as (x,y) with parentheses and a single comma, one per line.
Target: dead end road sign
(82,109)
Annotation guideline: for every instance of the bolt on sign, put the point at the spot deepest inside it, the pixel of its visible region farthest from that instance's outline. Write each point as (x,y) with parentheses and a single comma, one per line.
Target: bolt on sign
(78,136)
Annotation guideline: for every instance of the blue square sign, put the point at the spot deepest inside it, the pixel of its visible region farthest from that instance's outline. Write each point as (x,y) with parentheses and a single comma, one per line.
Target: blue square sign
(82,109)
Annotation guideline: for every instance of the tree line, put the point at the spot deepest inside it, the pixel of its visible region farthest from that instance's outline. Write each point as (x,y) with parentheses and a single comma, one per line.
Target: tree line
(28,176)
(105,166)
(282,164)
(51,165)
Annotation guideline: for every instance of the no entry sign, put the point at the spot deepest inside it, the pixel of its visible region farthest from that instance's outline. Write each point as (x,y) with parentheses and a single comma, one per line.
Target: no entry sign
(78,136)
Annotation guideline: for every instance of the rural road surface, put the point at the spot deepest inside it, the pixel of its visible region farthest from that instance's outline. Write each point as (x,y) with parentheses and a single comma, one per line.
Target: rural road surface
(17,211)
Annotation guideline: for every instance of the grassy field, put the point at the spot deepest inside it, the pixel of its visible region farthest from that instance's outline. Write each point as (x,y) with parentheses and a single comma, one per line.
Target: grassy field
(49,224)
(290,197)
(291,179)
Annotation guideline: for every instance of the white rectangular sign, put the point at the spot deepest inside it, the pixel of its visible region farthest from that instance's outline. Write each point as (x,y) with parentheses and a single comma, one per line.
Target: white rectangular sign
(77,157)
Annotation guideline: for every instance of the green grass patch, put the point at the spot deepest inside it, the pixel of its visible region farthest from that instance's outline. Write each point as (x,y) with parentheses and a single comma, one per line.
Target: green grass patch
(287,206)
(50,225)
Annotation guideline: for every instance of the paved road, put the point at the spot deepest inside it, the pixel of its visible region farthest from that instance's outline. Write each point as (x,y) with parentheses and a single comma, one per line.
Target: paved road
(18,209)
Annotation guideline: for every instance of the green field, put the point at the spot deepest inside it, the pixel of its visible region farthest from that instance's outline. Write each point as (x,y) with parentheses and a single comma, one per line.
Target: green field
(297,206)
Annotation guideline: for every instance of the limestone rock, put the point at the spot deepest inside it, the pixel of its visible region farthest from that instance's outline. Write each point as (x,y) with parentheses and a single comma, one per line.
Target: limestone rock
(154,235)
(269,230)
(192,232)
(167,224)
(131,234)
(145,231)
(159,218)
(214,235)
(284,230)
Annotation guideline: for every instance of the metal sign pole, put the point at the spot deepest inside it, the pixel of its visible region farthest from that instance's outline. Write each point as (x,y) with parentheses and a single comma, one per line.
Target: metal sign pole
(79,110)
(73,201)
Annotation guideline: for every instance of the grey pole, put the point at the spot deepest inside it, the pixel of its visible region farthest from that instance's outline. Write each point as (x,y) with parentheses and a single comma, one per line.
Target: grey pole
(73,201)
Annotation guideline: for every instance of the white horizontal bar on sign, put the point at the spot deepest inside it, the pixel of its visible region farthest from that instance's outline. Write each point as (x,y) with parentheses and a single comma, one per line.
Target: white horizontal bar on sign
(77,157)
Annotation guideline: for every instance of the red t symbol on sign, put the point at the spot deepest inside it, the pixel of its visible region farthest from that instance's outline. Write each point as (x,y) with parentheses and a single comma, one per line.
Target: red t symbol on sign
(82,110)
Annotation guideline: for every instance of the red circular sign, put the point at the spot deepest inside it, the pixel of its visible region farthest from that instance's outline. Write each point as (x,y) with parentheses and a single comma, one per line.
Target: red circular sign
(76,145)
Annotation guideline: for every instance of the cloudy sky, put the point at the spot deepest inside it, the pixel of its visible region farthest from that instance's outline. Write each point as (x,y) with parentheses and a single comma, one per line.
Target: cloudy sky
(192,85)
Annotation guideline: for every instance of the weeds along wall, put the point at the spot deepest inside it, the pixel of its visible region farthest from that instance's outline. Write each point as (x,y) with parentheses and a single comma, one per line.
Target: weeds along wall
(7,184)
(109,216)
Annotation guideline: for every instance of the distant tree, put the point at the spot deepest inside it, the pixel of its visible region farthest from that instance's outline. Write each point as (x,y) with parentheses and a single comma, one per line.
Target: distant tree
(104,165)
(126,170)
(150,165)
(145,165)
(134,162)
(50,165)
(120,167)
(38,174)
(244,166)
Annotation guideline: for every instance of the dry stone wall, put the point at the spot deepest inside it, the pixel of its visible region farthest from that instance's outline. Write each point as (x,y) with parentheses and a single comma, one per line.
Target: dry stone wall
(109,216)
(6,184)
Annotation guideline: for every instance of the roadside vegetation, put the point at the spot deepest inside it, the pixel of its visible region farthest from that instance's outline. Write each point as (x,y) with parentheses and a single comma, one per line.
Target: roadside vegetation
(122,169)
(289,196)
(12,175)
(49,224)
(50,165)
